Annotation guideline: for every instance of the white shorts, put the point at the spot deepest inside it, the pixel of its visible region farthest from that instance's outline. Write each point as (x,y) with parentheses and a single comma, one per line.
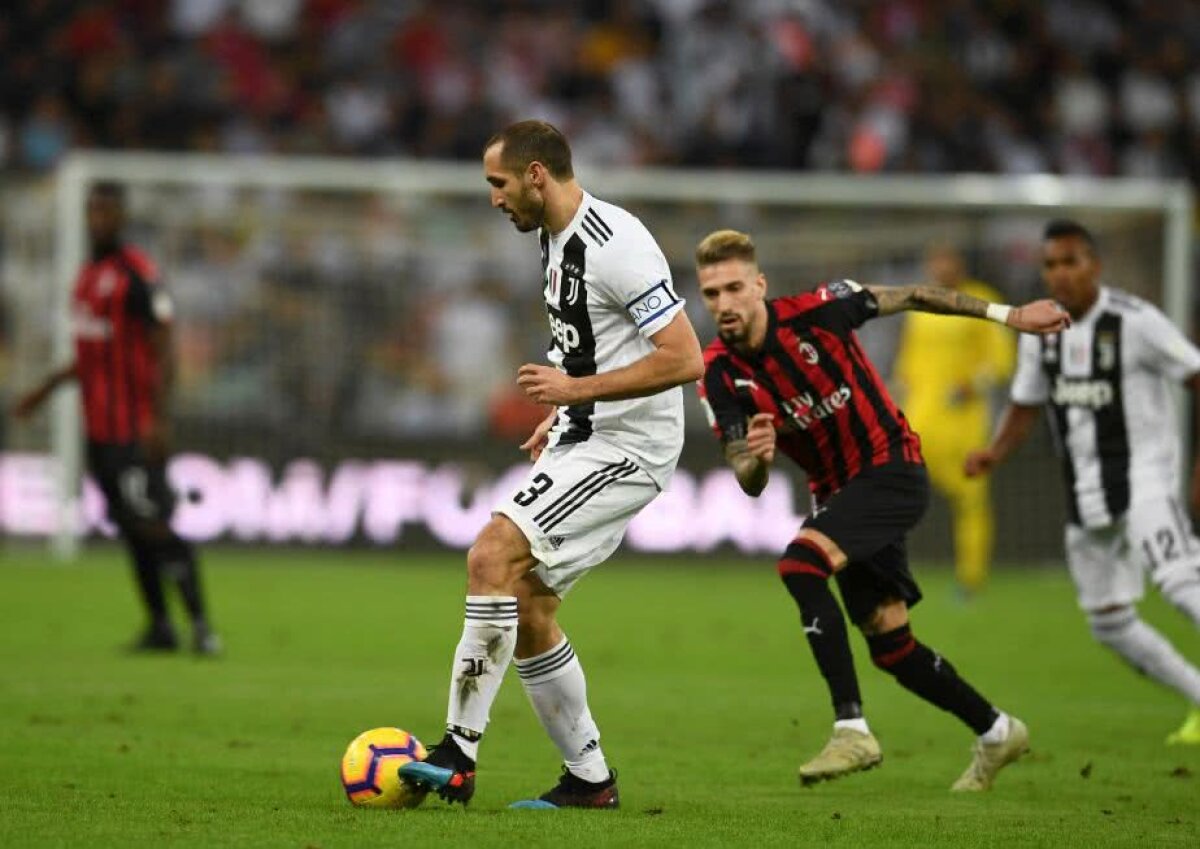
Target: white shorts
(574,507)
(1109,564)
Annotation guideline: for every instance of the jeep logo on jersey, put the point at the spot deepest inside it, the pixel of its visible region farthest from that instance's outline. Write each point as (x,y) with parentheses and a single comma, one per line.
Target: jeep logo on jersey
(1076,392)
(804,409)
(564,333)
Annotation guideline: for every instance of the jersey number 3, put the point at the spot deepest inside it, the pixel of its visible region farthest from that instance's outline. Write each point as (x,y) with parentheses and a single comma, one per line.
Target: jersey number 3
(541,483)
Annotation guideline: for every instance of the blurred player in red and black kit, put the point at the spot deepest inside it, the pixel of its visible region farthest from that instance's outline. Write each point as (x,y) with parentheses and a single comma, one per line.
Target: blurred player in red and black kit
(121,320)
(789,373)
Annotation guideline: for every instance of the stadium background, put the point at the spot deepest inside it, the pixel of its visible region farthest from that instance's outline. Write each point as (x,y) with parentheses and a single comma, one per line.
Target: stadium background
(338,327)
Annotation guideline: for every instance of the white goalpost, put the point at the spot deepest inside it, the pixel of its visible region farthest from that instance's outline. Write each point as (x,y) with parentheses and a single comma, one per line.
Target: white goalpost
(891,206)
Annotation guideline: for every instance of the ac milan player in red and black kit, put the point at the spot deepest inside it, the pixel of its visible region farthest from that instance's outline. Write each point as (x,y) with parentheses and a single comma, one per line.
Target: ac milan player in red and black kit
(121,318)
(789,374)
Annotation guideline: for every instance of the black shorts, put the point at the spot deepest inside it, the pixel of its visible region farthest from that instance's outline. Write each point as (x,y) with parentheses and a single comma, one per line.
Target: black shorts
(135,489)
(868,519)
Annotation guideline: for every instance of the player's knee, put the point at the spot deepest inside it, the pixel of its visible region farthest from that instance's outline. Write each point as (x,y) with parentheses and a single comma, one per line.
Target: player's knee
(888,648)
(1109,624)
(1173,583)
(885,618)
(498,557)
(805,556)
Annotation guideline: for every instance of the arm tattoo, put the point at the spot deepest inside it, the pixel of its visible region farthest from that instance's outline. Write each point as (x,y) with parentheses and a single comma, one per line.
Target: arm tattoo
(936,299)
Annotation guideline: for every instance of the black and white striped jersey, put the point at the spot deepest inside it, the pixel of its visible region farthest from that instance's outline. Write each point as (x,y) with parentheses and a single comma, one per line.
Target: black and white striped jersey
(1105,382)
(608,289)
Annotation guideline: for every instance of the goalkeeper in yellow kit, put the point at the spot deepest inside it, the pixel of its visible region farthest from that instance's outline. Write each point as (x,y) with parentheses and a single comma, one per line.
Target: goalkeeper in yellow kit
(946,370)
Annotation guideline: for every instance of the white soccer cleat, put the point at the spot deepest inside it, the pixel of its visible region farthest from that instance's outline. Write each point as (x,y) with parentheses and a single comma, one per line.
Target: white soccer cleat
(989,758)
(847,751)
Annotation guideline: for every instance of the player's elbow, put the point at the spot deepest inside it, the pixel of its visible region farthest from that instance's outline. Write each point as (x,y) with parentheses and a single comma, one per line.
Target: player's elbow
(693,368)
(690,363)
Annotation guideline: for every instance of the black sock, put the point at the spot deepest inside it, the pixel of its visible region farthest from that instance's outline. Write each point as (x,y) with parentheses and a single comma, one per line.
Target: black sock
(178,559)
(149,581)
(929,675)
(825,628)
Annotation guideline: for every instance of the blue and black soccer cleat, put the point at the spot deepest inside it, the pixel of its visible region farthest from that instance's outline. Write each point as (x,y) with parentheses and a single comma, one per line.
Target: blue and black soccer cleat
(446,771)
(573,792)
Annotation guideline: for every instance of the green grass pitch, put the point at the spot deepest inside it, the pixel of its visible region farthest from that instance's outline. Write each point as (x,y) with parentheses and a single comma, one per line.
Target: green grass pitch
(699,677)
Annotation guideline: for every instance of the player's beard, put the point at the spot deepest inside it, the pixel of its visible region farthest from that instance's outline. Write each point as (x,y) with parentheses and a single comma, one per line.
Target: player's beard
(529,213)
(735,334)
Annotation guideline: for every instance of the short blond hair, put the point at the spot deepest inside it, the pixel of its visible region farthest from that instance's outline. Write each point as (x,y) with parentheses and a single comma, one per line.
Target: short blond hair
(721,245)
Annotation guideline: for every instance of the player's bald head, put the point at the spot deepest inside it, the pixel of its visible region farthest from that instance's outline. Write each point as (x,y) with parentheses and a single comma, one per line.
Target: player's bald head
(526,142)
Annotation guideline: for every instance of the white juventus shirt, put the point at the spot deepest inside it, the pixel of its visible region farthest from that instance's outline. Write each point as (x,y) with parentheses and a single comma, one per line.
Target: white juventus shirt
(608,289)
(1105,383)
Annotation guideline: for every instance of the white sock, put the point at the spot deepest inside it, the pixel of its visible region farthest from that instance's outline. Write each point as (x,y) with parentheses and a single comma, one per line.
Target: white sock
(480,661)
(557,690)
(1147,650)
(998,733)
(859,725)
(1185,595)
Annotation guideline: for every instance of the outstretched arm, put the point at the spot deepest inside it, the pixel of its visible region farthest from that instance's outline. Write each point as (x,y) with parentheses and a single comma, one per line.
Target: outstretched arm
(28,404)
(1043,316)
(1015,426)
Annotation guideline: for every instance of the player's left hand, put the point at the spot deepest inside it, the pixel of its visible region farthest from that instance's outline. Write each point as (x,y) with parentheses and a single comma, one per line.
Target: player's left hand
(548,385)
(1042,316)
(156,442)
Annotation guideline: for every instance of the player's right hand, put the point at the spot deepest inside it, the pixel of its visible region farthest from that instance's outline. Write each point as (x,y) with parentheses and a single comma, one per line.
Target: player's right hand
(760,437)
(979,463)
(537,442)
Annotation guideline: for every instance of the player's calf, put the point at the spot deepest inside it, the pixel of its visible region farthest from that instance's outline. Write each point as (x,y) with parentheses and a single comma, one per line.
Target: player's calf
(1145,649)
(927,674)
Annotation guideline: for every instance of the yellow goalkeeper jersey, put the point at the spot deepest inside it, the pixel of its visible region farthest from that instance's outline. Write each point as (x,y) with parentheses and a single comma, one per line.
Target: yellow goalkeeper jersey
(947,364)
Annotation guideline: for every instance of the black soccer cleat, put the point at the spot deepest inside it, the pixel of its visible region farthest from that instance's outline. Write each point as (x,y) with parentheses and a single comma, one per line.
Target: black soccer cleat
(573,792)
(156,638)
(205,642)
(446,770)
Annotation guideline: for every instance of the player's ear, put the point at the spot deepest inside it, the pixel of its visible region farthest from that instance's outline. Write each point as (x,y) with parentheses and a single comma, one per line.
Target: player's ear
(535,174)
(762,282)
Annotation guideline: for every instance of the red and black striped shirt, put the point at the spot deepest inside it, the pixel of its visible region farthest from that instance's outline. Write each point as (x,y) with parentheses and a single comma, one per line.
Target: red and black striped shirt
(833,414)
(115,303)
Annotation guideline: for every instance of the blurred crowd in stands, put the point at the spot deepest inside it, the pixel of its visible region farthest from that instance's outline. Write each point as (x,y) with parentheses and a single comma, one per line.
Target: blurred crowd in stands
(318,318)
(1010,86)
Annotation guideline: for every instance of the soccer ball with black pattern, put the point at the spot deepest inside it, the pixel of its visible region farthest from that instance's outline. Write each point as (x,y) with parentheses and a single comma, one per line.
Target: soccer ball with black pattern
(370,764)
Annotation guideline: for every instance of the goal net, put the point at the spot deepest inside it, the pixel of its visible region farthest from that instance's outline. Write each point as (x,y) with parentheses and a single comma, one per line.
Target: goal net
(348,334)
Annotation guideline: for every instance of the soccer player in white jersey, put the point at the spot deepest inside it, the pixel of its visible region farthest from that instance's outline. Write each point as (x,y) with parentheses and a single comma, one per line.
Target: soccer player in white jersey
(1105,383)
(621,347)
